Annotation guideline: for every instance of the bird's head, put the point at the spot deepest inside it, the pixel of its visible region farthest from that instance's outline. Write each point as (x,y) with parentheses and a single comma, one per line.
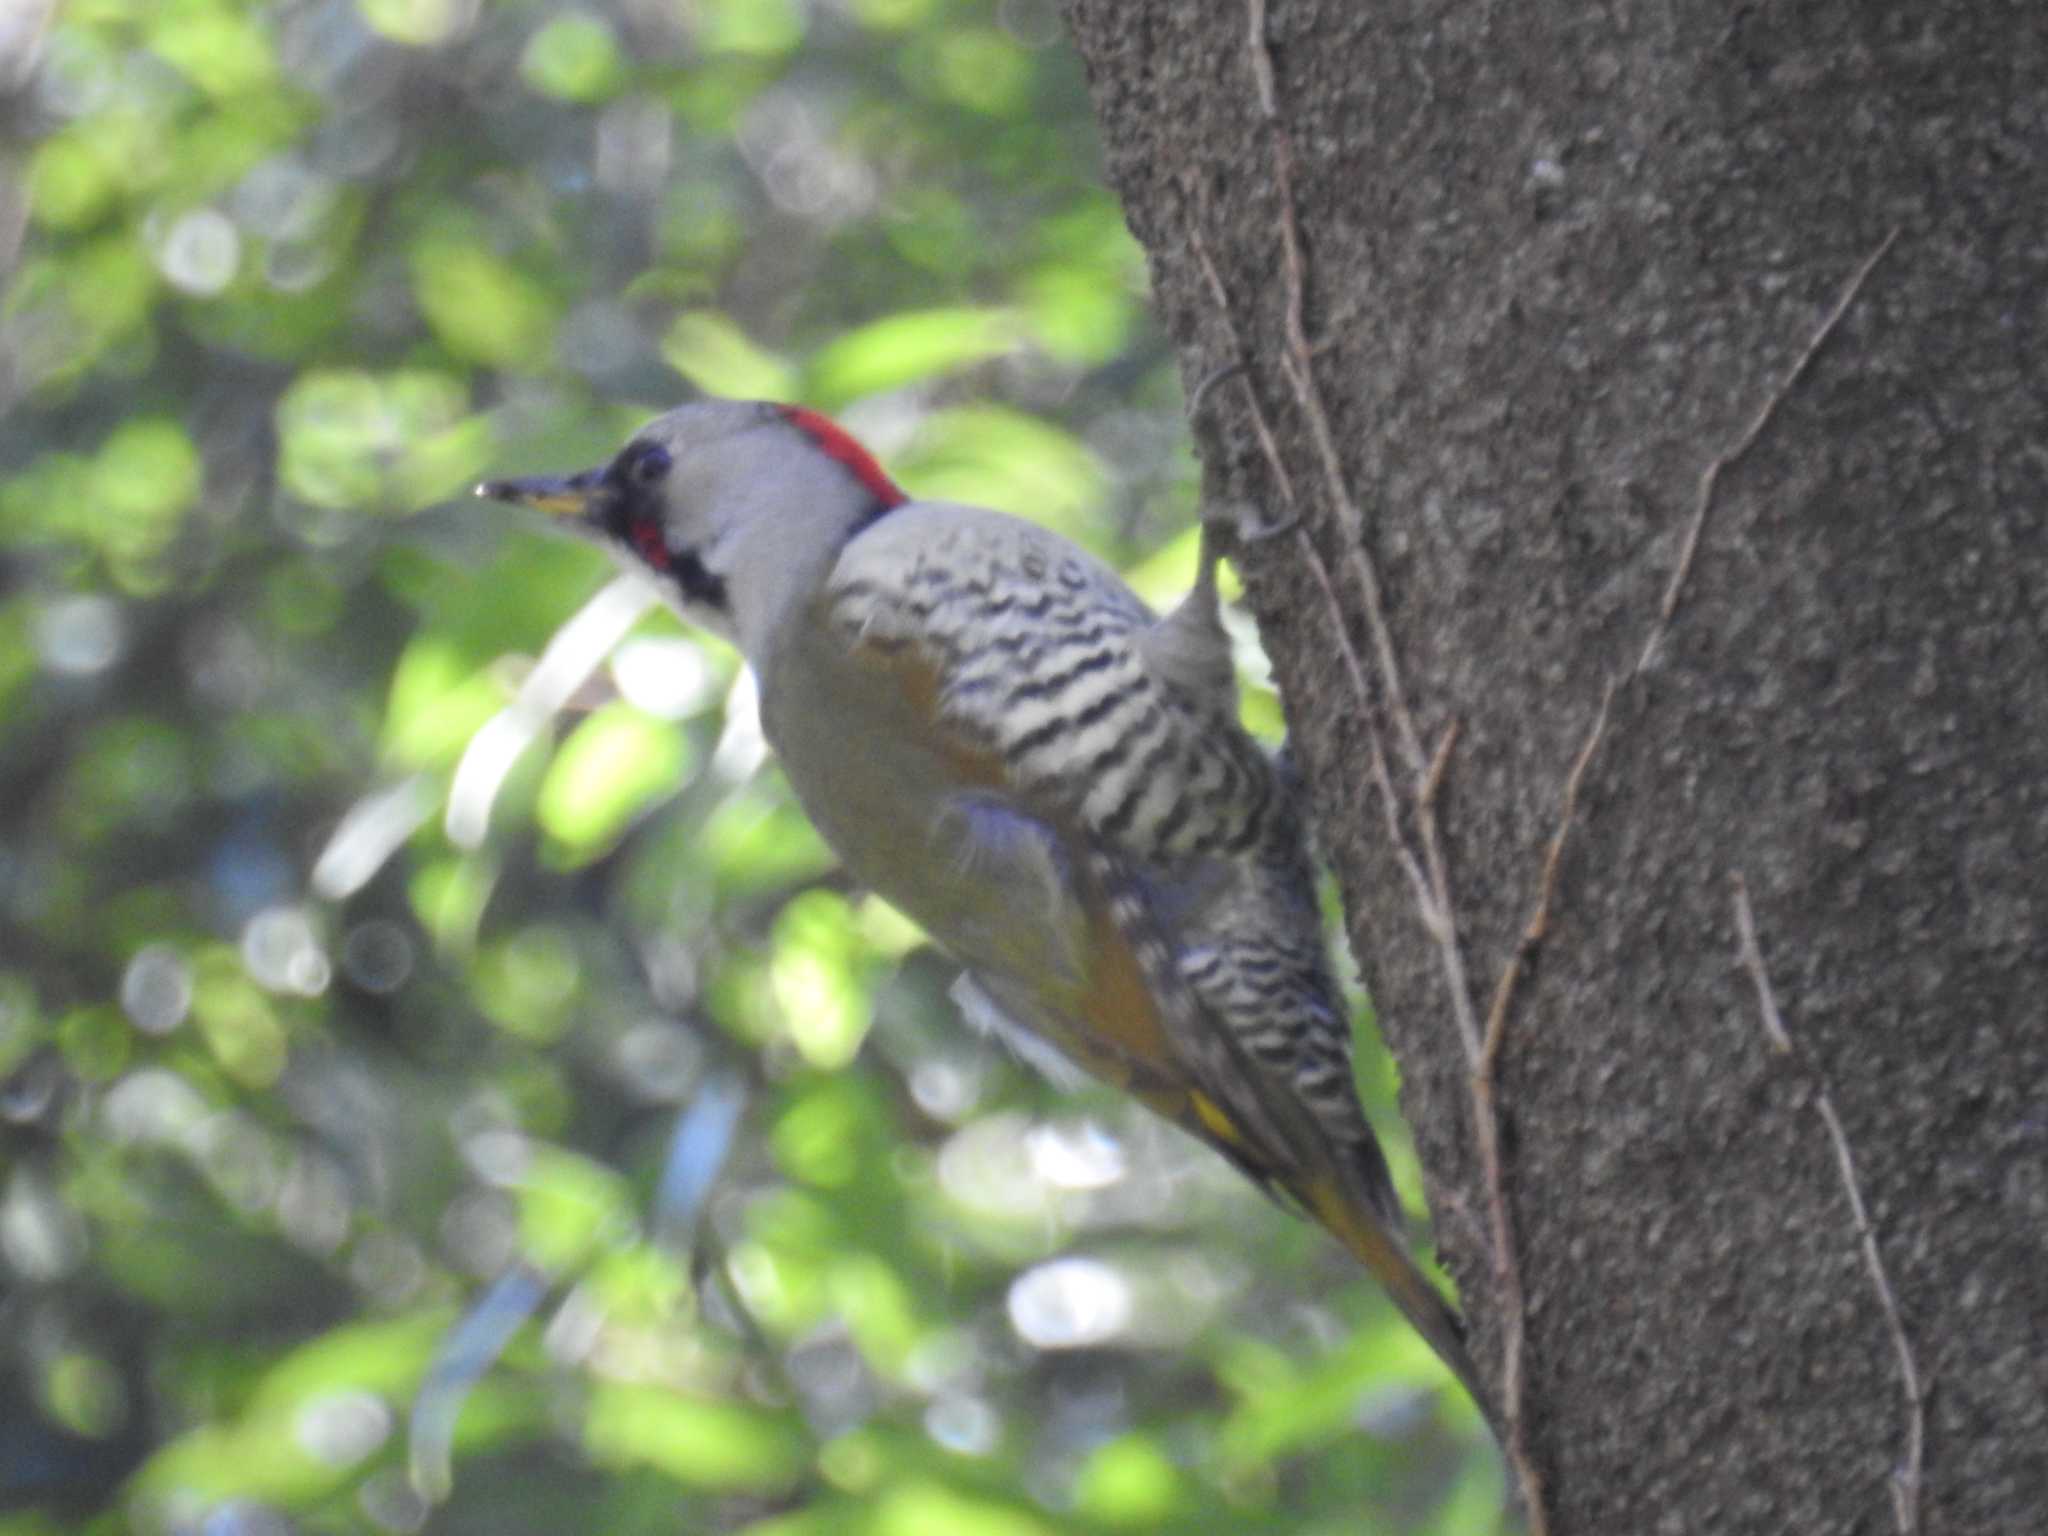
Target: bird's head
(730,506)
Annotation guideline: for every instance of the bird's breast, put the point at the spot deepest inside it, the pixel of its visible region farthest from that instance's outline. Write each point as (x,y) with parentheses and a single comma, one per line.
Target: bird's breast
(921,815)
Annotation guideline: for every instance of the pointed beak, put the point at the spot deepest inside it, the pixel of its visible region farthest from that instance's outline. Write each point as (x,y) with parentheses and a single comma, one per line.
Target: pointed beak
(557,495)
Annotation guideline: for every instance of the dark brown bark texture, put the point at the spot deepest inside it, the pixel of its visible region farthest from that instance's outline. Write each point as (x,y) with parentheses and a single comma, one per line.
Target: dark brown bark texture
(1557,260)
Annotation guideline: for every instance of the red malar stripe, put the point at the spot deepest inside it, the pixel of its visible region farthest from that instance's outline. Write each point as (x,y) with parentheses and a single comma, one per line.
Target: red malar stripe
(837,443)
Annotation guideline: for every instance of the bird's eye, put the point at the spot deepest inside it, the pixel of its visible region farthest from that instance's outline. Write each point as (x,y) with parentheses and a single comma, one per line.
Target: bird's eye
(652,464)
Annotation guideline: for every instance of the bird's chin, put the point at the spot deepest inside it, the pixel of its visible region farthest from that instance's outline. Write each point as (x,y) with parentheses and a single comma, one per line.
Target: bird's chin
(593,527)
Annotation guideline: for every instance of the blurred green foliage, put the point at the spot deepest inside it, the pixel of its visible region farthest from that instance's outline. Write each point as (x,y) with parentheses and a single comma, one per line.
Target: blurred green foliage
(390,928)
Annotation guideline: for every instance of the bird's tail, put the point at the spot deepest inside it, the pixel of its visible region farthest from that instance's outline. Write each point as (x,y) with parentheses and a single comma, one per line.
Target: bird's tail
(1382,1252)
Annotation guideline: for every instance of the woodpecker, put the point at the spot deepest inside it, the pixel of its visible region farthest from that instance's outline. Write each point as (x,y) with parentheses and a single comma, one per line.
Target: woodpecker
(996,735)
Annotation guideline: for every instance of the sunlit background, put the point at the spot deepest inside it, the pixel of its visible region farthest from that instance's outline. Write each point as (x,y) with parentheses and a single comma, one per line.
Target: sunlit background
(446,1084)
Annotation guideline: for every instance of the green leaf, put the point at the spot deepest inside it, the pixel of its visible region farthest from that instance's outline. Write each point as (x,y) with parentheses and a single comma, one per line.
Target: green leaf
(890,15)
(218,50)
(569,1208)
(819,1137)
(724,1446)
(1163,577)
(51,498)
(330,427)
(613,766)
(717,356)
(262,1453)
(448,896)
(84,1394)
(22,1026)
(908,349)
(982,68)
(880,1312)
(1475,1500)
(146,476)
(573,58)
(766,27)
(129,771)
(439,699)
(342,431)
(528,983)
(818,975)
(757,841)
(1130,1481)
(96,1041)
(1081,315)
(482,308)
(237,1020)
(1286,1409)
(419,23)
(434,466)
(71,184)
(991,456)
(918,1508)
(641,1285)
(387,1355)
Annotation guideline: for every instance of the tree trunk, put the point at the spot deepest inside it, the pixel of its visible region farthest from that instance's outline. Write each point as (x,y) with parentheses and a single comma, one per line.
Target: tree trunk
(1655,394)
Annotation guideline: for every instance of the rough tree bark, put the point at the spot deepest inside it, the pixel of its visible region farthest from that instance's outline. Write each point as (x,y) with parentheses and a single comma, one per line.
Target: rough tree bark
(1685,358)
